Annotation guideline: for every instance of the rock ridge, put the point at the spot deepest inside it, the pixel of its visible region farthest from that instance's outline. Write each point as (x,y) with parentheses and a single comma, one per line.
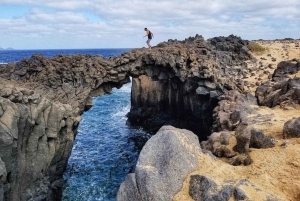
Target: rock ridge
(201,85)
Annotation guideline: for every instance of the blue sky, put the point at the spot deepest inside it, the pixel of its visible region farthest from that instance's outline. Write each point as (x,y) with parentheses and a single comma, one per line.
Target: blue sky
(55,24)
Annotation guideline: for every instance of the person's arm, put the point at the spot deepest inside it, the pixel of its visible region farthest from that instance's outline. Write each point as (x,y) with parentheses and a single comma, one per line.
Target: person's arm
(152,35)
(147,32)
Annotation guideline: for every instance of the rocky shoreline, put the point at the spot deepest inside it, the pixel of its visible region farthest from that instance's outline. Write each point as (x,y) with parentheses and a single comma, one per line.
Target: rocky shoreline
(215,88)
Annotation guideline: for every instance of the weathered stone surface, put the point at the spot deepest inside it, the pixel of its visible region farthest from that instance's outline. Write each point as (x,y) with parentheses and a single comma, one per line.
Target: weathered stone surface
(284,68)
(291,128)
(235,146)
(203,188)
(3,175)
(158,103)
(220,144)
(202,91)
(260,141)
(201,72)
(282,89)
(241,159)
(249,136)
(232,110)
(179,67)
(164,162)
(128,190)
(32,139)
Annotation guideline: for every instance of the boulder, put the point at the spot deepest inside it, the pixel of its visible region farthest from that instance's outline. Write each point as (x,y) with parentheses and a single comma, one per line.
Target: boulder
(291,128)
(220,144)
(233,108)
(282,88)
(164,163)
(203,188)
(128,190)
(284,68)
(249,137)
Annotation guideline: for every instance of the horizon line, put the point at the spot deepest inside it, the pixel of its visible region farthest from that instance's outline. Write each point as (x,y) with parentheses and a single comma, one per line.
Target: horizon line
(72,48)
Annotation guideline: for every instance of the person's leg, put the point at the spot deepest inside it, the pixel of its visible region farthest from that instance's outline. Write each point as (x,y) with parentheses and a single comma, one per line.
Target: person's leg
(148,43)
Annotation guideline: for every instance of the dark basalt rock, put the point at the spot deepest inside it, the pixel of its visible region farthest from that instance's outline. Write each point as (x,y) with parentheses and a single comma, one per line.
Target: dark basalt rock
(218,143)
(282,88)
(233,108)
(178,83)
(291,128)
(249,137)
(204,189)
(241,159)
(260,141)
(285,68)
(194,75)
(275,93)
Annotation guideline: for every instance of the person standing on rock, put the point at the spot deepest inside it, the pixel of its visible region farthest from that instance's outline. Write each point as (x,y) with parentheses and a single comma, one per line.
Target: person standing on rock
(150,36)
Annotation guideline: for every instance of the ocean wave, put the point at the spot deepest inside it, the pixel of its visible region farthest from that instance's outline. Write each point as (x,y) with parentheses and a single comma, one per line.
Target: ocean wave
(1,63)
(126,88)
(122,112)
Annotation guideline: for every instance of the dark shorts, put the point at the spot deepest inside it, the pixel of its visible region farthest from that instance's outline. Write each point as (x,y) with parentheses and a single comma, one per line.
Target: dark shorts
(148,41)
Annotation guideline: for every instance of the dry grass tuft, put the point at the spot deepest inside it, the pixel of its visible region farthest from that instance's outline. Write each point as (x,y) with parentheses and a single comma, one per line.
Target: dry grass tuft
(256,48)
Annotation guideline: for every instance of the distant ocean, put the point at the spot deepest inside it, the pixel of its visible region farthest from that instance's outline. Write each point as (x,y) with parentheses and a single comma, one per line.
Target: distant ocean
(7,56)
(105,149)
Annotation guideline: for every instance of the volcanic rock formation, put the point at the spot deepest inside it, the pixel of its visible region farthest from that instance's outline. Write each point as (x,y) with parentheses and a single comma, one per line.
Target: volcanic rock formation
(248,135)
(197,84)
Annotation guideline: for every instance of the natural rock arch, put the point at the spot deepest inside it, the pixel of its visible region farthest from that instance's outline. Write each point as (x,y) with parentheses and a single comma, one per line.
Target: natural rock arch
(177,83)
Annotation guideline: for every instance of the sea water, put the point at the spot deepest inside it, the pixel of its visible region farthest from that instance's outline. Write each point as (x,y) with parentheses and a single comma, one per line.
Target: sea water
(105,149)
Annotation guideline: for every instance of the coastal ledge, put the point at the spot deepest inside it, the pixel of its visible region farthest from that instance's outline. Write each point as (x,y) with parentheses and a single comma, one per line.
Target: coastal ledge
(202,85)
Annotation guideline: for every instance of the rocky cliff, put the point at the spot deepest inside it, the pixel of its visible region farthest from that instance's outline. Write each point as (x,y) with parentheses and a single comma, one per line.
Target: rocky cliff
(36,136)
(252,153)
(198,84)
(184,81)
(41,101)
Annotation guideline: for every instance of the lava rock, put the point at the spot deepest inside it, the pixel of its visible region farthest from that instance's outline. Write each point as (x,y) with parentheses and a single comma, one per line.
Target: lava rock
(203,188)
(291,128)
(249,137)
(283,68)
(218,144)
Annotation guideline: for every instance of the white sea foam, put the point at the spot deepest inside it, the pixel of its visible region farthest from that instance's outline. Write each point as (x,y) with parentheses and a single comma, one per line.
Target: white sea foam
(3,63)
(125,88)
(122,112)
